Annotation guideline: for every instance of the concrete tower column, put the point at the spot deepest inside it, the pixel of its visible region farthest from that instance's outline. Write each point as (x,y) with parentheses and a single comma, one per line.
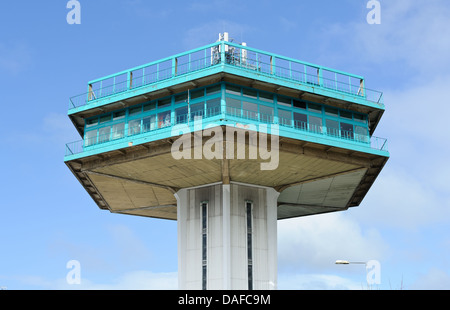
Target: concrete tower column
(227,237)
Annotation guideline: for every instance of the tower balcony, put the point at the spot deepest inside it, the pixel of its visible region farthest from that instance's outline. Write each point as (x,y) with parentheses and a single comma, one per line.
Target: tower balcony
(232,62)
(129,122)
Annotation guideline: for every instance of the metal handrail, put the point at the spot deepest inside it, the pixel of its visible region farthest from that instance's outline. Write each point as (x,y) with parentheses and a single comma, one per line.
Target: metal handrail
(80,146)
(243,57)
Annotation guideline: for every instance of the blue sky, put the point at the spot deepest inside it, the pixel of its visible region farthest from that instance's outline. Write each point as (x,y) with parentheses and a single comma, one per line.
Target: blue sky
(47,218)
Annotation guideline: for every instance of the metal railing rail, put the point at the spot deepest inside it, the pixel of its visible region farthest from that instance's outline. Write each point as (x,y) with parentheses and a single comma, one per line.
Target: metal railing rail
(227,53)
(80,146)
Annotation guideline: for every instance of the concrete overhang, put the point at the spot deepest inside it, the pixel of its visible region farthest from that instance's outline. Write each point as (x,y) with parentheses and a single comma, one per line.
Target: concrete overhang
(312,178)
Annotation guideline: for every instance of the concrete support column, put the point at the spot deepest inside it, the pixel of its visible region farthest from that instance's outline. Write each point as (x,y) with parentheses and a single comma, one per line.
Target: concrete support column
(223,235)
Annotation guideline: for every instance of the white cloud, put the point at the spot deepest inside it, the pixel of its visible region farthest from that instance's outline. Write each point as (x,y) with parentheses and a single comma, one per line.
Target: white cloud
(435,279)
(317,282)
(134,280)
(414,36)
(314,243)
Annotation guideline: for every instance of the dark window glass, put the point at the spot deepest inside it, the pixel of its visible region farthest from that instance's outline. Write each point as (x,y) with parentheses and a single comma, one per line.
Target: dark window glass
(233,106)
(359,117)
(164,102)
(118,115)
(197,110)
(266,114)
(91,122)
(250,110)
(315,107)
(213,107)
(346,130)
(300,121)
(331,111)
(216,89)
(332,127)
(149,106)
(197,94)
(267,97)
(105,118)
(251,93)
(285,117)
(315,124)
(181,98)
(181,115)
(299,104)
(135,110)
(346,114)
(231,89)
(284,101)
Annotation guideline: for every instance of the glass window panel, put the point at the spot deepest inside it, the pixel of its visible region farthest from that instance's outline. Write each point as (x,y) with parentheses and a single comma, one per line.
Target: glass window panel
(104,134)
(118,115)
(135,110)
(118,131)
(213,107)
(149,123)
(331,111)
(181,115)
(332,127)
(164,102)
(267,97)
(251,93)
(197,93)
(197,110)
(315,107)
(346,114)
(105,118)
(266,114)
(134,127)
(149,106)
(361,134)
(300,121)
(284,101)
(299,104)
(233,106)
(231,89)
(359,117)
(315,124)
(346,130)
(216,89)
(164,119)
(91,122)
(90,137)
(284,117)
(250,110)
(181,98)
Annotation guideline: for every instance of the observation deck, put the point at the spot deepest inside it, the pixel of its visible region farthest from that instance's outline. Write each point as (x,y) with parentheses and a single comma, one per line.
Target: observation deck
(228,61)
(325,120)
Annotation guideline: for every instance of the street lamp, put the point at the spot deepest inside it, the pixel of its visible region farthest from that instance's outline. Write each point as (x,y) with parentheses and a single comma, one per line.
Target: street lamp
(373,270)
(346,262)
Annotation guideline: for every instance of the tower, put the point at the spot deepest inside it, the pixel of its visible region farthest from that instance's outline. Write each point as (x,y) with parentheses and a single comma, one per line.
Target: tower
(226,140)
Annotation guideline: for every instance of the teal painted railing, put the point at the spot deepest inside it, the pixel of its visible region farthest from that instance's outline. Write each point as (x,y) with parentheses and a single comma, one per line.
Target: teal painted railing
(231,114)
(235,56)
